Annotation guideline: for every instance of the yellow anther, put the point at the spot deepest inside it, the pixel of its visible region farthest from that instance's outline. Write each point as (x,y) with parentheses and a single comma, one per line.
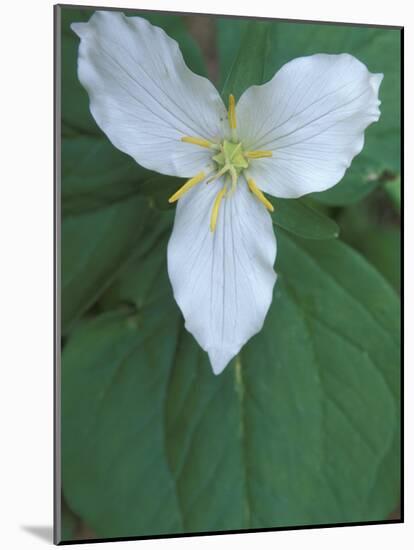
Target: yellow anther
(200,141)
(216,207)
(256,191)
(232,113)
(187,186)
(257,154)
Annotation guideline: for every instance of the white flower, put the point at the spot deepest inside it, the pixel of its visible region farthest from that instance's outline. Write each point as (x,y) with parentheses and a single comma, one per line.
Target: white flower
(294,135)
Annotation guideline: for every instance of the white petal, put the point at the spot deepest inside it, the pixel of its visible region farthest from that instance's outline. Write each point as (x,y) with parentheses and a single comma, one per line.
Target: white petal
(144,97)
(222,281)
(312,116)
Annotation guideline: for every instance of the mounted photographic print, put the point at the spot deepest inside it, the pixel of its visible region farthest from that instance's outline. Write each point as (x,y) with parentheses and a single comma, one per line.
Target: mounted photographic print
(228,212)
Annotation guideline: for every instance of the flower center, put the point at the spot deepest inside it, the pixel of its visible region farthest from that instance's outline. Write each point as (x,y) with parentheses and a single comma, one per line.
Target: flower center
(231,160)
(231,156)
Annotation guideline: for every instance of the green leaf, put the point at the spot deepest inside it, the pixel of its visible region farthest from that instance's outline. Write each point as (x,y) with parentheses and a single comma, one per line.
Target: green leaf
(95,174)
(145,280)
(159,189)
(382,247)
(301,429)
(379,49)
(299,218)
(121,410)
(364,226)
(249,66)
(95,247)
(229,34)
(393,188)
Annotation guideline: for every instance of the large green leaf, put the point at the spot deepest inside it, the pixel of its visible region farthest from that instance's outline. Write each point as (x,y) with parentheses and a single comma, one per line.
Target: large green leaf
(393,188)
(249,66)
(379,49)
(145,280)
(302,428)
(119,504)
(95,174)
(382,247)
(299,218)
(229,33)
(159,189)
(94,249)
(365,227)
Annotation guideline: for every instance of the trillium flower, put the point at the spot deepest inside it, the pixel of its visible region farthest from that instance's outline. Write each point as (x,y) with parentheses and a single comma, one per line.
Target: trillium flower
(294,135)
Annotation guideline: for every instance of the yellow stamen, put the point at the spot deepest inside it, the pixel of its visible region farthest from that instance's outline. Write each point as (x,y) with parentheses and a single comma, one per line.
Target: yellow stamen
(232,113)
(187,186)
(257,154)
(256,191)
(216,206)
(200,141)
